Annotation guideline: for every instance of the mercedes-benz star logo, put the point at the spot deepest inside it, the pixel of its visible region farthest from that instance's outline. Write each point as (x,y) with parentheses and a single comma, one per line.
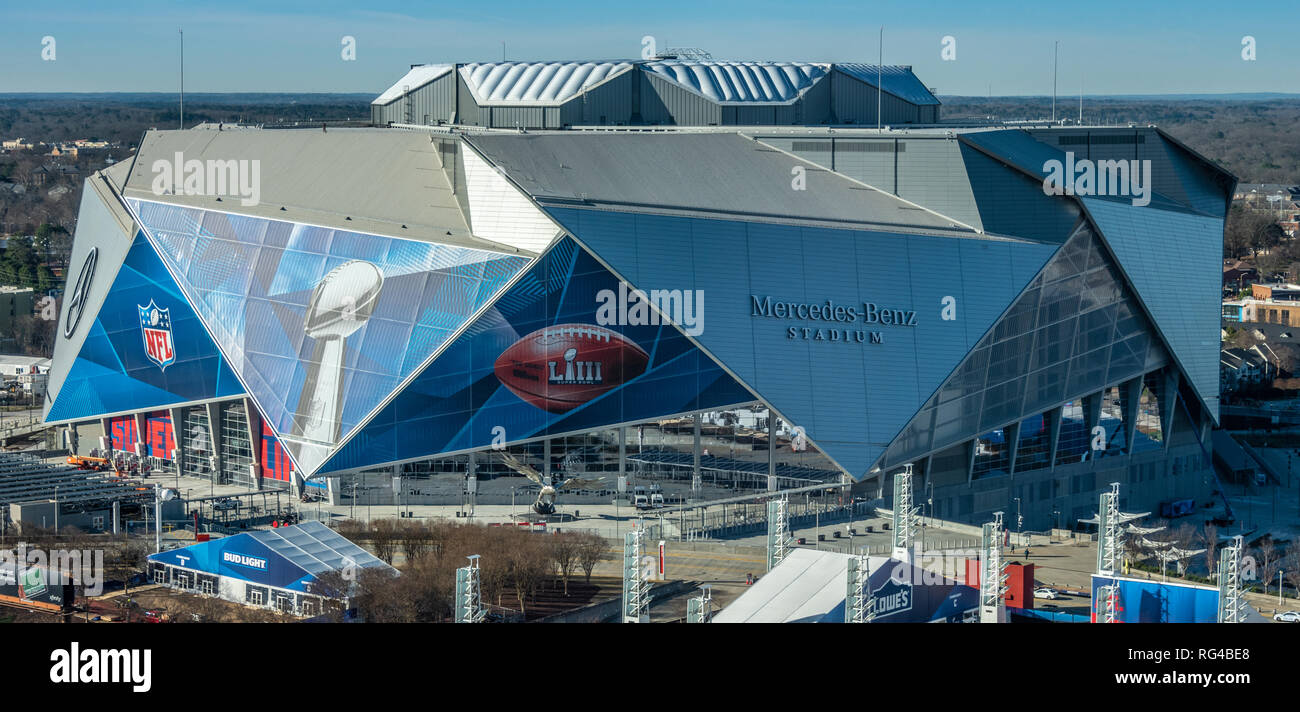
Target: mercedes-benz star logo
(80,293)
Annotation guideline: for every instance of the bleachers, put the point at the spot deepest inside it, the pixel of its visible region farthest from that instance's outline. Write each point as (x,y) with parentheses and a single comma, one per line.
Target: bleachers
(25,478)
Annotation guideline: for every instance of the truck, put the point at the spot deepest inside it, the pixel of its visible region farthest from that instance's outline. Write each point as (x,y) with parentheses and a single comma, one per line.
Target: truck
(657,500)
(1175,508)
(641,501)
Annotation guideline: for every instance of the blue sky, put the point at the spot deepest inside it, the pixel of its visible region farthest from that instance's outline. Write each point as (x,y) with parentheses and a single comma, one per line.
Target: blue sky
(1109,46)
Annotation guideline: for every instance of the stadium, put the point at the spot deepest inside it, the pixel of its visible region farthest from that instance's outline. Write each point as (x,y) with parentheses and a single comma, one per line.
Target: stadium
(708,279)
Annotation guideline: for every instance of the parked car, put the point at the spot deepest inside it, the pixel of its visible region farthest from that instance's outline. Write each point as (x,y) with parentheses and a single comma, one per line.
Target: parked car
(1287,617)
(1050,594)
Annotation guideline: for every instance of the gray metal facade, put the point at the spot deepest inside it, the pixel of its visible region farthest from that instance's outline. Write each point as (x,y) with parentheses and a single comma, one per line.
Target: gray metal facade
(428,105)
(641,97)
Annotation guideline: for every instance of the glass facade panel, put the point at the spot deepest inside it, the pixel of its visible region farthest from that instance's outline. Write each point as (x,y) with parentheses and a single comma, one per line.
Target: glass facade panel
(1074,331)
(1112,421)
(1074,441)
(1034,450)
(1150,435)
(236,452)
(991,455)
(196,444)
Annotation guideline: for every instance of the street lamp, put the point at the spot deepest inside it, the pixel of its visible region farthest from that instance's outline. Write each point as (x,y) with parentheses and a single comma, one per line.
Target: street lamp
(56,509)
(1020,522)
(160,495)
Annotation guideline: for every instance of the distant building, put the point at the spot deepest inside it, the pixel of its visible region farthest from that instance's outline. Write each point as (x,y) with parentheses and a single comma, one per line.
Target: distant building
(1263,311)
(17,144)
(18,364)
(1238,274)
(1276,292)
(14,302)
(1241,368)
(1266,194)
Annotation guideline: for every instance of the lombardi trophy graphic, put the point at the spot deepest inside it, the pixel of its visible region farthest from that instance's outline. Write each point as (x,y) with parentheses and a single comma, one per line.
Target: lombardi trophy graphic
(340,305)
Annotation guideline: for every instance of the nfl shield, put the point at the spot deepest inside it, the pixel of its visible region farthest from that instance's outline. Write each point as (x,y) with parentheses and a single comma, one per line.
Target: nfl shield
(156,324)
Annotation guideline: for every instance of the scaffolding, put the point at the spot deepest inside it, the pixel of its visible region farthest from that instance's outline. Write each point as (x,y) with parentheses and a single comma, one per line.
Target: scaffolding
(700,608)
(993,575)
(1109,596)
(636,587)
(906,516)
(1232,604)
(469,595)
(859,605)
(1110,534)
(778,530)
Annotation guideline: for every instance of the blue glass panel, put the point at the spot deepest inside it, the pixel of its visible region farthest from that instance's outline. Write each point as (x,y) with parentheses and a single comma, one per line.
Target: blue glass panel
(539,363)
(145,349)
(320,324)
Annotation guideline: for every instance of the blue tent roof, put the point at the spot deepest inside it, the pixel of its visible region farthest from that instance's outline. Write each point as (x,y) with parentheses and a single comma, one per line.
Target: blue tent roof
(287,557)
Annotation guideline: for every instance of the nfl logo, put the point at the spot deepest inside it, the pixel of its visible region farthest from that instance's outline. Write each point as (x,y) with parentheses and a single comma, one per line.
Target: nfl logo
(156,323)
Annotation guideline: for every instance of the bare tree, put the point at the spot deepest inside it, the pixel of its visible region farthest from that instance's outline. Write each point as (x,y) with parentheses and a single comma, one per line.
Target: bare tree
(529,563)
(564,551)
(384,538)
(1211,536)
(416,540)
(591,549)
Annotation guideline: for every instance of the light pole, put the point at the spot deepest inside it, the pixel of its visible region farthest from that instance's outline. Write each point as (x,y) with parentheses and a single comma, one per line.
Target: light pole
(56,509)
(160,495)
(1020,522)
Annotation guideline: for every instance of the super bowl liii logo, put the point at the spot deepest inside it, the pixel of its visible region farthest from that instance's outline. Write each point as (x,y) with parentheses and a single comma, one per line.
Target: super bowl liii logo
(837,320)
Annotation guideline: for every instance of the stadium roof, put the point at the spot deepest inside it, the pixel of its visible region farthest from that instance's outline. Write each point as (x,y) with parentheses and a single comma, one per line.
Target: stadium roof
(535,83)
(742,82)
(715,175)
(375,181)
(897,80)
(419,75)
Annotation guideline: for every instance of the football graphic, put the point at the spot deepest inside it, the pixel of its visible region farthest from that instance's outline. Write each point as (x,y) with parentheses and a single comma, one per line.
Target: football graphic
(560,367)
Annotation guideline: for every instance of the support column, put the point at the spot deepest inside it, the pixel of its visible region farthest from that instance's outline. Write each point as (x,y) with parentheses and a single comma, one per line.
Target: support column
(1011,434)
(1053,417)
(771,450)
(696,482)
(1130,393)
(140,446)
(214,439)
(972,447)
(254,419)
(177,454)
(106,441)
(622,459)
(1091,417)
(1168,403)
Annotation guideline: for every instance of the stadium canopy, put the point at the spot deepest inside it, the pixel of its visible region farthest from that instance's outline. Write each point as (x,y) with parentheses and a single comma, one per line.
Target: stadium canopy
(742,82)
(287,557)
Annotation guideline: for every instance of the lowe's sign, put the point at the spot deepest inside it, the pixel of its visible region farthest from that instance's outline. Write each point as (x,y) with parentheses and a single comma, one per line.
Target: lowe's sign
(892,597)
(832,322)
(252,562)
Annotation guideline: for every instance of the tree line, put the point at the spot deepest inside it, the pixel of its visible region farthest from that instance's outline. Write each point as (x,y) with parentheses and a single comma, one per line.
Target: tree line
(514,565)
